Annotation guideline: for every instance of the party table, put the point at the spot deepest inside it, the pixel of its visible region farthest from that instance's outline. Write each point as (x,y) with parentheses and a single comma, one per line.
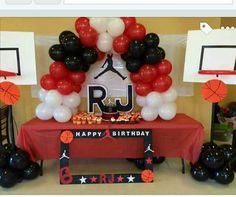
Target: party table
(181,137)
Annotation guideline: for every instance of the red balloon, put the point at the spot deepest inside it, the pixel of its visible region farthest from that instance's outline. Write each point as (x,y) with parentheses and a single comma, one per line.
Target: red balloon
(136,32)
(101,55)
(47,82)
(77,77)
(128,21)
(143,89)
(164,67)
(77,88)
(58,70)
(135,77)
(147,73)
(81,23)
(65,86)
(162,83)
(121,44)
(88,36)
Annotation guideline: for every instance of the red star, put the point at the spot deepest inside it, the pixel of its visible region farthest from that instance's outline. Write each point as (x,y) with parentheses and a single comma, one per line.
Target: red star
(149,160)
(93,179)
(120,179)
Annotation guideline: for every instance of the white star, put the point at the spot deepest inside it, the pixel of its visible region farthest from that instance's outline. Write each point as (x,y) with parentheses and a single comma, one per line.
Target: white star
(131,178)
(83,180)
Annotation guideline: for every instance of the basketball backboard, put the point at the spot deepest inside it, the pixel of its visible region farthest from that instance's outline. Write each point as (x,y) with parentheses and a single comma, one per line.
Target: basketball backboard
(17,58)
(211,56)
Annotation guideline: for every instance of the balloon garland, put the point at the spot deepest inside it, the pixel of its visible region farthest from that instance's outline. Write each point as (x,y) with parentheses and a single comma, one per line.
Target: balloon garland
(144,59)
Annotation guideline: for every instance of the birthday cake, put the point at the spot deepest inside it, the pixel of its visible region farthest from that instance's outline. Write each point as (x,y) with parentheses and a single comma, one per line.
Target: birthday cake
(110,111)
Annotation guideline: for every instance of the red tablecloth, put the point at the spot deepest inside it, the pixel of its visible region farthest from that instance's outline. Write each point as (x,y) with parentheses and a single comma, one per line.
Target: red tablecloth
(181,137)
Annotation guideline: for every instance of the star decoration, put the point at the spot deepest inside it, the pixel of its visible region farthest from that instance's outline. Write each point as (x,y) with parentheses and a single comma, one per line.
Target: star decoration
(149,160)
(93,179)
(120,179)
(130,178)
(83,180)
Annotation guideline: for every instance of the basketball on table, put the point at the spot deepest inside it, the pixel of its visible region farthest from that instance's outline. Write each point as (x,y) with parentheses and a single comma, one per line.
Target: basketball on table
(66,137)
(9,93)
(147,176)
(214,91)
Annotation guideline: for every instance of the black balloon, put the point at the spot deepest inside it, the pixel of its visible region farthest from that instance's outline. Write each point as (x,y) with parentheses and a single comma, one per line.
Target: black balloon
(64,34)
(3,159)
(224,175)
(90,55)
(32,171)
(209,145)
(212,158)
(133,65)
(126,56)
(71,44)
(151,40)
(162,51)
(74,63)
(136,48)
(228,152)
(19,174)
(56,52)
(140,164)
(7,178)
(19,160)
(7,148)
(199,172)
(85,68)
(158,160)
(152,56)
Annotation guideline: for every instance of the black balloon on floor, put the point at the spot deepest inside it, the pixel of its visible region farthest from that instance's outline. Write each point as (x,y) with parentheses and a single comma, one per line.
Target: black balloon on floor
(133,65)
(212,158)
(140,164)
(152,56)
(3,159)
(162,51)
(7,148)
(64,34)
(19,160)
(151,40)
(74,63)
(136,48)
(56,52)
(199,172)
(71,44)
(224,175)
(209,145)
(32,171)
(228,151)
(90,55)
(7,178)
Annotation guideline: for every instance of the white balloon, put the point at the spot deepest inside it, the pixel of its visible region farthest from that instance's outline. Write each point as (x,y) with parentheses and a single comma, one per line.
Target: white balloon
(72,100)
(44,111)
(104,42)
(149,113)
(74,111)
(62,114)
(167,111)
(99,24)
(115,27)
(42,94)
(53,98)
(170,95)
(154,99)
(141,100)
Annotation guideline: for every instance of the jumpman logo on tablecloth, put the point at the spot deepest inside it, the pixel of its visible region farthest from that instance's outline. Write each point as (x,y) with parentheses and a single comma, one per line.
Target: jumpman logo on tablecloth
(64,155)
(149,149)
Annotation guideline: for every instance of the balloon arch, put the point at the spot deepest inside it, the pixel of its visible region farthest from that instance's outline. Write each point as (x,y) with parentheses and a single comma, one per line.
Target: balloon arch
(144,59)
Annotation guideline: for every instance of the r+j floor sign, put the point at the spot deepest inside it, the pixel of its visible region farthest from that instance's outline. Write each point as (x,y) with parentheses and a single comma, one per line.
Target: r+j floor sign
(67,136)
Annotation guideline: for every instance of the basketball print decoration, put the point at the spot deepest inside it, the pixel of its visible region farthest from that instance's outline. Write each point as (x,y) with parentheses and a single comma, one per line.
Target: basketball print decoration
(214,91)
(66,137)
(9,93)
(147,176)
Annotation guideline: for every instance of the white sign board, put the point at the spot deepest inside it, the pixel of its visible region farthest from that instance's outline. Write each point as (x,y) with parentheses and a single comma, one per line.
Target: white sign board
(213,52)
(17,55)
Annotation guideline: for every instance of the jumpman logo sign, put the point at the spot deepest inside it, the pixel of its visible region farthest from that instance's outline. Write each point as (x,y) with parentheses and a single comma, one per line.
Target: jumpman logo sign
(109,62)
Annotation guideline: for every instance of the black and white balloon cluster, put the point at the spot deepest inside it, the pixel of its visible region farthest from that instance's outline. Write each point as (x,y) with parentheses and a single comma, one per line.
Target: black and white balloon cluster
(215,163)
(15,166)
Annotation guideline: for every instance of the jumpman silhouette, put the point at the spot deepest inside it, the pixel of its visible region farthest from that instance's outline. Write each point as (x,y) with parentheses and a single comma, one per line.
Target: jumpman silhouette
(109,62)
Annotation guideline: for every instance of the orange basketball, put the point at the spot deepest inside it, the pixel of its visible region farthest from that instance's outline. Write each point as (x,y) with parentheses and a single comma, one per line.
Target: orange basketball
(147,176)
(214,91)
(66,137)
(9,93)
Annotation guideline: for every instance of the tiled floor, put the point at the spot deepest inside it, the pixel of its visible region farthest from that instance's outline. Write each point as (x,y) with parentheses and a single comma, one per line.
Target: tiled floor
(168,180)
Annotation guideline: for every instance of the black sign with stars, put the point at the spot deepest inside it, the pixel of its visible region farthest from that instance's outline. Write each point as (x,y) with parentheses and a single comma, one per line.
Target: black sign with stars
(146,176)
